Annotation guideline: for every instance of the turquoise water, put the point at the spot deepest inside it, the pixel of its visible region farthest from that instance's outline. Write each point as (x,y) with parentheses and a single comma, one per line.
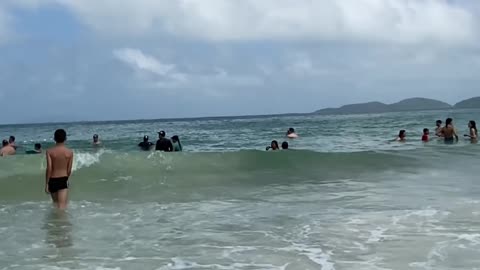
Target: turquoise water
(345,198)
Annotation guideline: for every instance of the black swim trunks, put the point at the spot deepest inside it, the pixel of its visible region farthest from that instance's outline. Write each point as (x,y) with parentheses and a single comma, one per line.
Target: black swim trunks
(57,184)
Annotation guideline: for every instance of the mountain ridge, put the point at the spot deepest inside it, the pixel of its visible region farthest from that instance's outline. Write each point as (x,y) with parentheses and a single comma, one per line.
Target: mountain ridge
(409,104)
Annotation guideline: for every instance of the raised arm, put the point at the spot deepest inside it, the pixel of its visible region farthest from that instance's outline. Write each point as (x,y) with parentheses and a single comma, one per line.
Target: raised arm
(48,171)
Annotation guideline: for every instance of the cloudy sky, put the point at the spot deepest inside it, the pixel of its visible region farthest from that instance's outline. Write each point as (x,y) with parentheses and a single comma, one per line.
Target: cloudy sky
(65,60)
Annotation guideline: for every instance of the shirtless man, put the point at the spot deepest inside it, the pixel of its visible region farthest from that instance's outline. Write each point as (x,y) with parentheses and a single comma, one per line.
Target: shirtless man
(7,149)
(59,169)
(449,133)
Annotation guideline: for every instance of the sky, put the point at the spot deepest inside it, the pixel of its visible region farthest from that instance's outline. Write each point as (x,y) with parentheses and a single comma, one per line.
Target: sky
(70,60)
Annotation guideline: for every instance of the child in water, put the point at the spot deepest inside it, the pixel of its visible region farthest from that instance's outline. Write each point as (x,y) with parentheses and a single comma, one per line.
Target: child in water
(426,133)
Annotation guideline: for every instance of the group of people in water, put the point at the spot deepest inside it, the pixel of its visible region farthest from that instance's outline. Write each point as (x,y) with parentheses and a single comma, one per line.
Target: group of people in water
(163,143)
(448,133)
(291,134)
(60,157)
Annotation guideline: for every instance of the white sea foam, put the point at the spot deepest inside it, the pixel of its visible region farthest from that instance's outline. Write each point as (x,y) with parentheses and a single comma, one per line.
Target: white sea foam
(314,254)
(85,160)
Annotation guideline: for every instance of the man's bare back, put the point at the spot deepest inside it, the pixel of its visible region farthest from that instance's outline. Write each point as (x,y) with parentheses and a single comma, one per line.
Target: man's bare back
(59,169)
(60,158)
(7,151)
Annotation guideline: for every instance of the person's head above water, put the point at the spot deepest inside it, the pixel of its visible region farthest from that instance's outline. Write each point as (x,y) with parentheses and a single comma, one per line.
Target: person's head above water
(145,138)
(162,134)
(291,131)
(402,134)
(426,131)
(274,145)
(95,137)
(439,123)
(448,122)
(4,143)
(38,146)
(285,145)
(472,124)
(60,136)
(175,139)
(11,139)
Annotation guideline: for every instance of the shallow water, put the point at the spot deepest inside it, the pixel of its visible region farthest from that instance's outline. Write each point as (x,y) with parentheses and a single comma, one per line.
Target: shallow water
(340,202)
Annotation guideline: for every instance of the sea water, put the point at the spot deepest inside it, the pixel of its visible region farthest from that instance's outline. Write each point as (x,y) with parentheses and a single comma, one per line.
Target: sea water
(344,197)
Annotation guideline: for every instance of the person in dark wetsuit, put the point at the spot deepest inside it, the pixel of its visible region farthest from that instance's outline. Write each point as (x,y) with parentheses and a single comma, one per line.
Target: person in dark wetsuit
(449,133)
(163,144)
(145,145)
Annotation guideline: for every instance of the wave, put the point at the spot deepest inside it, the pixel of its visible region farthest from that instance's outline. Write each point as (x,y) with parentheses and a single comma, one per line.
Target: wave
(111,174)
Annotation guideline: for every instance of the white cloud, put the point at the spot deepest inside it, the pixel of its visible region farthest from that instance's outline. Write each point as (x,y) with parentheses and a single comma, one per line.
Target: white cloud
(167,76)
(139,60)
(400,21)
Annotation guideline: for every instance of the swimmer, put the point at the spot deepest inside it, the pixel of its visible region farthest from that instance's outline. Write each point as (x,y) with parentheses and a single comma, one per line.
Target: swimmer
(145,145)
(472,127)
(37,149)
(273,146)
(438,128)
(402,136)
(7,149)
(177,145)
(163,144)
(285,146)
(426,134)
(11,141)
(96,141)
(59,169)
(291,133)
(449,133)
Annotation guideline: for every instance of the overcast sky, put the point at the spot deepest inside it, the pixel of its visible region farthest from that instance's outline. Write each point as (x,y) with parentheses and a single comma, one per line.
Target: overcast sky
(64,60)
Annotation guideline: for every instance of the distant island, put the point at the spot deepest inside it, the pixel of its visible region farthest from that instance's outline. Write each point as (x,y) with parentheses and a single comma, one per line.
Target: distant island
(410,104)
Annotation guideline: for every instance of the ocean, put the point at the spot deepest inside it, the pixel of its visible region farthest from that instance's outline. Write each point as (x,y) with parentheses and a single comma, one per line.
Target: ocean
(344,197)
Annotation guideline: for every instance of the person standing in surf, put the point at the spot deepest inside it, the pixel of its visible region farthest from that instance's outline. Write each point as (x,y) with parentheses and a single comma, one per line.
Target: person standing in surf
(59,169)
(163,144)
(7,149)
(438,128)
(96,140)
(402,136)
(472,127)
(273,146)
(11,142)
(291,133)
(449,133)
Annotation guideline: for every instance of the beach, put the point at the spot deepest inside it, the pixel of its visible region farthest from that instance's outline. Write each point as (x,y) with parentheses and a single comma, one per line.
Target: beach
(344,197)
